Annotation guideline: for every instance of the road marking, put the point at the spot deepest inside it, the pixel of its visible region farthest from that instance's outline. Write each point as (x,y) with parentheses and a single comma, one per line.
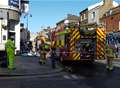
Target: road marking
(67,77)
(74,77)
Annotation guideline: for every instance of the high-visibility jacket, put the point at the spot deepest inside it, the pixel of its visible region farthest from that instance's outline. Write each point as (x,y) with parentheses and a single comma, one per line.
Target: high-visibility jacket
(10,48)
(109,51)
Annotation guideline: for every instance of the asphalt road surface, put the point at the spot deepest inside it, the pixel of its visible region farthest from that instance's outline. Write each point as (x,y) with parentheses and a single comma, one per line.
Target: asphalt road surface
(84,76)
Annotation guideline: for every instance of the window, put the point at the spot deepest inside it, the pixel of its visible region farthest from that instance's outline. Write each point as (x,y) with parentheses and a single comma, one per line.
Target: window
(119,25)
(81,18)
(4,37)
(110,12)
(93,15)
(84,16)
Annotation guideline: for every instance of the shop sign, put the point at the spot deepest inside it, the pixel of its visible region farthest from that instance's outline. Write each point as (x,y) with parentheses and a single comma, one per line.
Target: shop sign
(14,3)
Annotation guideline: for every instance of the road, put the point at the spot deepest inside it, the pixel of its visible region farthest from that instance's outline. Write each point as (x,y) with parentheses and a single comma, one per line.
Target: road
(89,76)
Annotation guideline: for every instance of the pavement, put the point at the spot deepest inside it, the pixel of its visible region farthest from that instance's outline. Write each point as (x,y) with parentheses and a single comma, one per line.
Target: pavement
(28,66)
(116,62)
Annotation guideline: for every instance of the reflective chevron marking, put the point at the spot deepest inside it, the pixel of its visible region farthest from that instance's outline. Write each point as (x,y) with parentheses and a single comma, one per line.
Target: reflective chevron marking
(100,44)
(72,43)
(74,55)
(100,33)
(78,37)
(75,35)
(77,57)
(74,32)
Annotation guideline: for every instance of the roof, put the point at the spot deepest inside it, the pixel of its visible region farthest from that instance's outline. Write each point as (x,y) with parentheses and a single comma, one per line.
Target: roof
(115,10)
(95,5)
(69,17)
(62,21)
(100,4)
(112,11)
(84,10)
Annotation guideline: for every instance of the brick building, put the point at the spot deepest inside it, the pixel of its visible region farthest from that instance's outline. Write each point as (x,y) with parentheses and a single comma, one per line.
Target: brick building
(90,17)
(71,18)
(111,20)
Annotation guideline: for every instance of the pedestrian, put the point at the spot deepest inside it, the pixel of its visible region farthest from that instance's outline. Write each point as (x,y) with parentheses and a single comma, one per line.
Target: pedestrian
(109,57)
(53,57)
(10,48)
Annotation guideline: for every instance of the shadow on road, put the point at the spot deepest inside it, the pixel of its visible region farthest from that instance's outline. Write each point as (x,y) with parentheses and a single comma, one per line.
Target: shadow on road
(90,70)
(96,76)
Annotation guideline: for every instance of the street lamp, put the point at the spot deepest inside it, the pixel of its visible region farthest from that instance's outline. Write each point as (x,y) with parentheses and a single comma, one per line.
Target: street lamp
(27,19)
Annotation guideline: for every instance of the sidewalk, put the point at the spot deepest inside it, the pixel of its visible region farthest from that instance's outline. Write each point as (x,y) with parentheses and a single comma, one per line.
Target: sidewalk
(116,62)
(117,59)
(26,66)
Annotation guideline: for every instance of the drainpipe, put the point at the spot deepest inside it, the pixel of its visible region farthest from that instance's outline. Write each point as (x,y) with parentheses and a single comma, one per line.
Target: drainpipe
(1,28)
(8,24)
(1,24)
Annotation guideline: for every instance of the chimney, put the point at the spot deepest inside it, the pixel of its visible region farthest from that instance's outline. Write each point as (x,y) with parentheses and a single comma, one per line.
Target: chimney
(108,2)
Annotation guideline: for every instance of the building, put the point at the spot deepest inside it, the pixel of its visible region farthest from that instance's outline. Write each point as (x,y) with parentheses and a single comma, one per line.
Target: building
(10,13)
(84,17)
(9,17)
(91,15)
(111,20)
(24,9)
(70,18)
(24,39)
(33,41)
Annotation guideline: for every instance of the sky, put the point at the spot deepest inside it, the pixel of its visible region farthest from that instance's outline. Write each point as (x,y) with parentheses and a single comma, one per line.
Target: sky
(48,12)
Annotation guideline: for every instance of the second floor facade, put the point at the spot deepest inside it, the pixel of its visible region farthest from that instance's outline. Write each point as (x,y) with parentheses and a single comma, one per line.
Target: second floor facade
(94,12)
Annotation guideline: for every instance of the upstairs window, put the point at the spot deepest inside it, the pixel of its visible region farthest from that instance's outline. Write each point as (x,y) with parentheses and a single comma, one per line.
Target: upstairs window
(93,15)
(119,25)
(84,16)
(81,18)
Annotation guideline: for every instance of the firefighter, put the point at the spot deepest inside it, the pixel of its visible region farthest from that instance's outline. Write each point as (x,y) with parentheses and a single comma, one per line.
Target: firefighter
(10,48)
(109,57)
(42,51)
(42,54)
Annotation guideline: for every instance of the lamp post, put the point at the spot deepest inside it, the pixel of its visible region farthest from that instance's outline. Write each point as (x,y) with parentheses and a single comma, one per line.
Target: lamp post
(27,21)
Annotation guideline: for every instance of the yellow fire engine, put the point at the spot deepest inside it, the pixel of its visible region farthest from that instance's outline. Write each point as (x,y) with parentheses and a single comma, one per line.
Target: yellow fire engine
(76,44)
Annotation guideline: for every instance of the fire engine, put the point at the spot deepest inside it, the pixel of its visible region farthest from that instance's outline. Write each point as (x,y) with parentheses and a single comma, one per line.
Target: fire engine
(75,44)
